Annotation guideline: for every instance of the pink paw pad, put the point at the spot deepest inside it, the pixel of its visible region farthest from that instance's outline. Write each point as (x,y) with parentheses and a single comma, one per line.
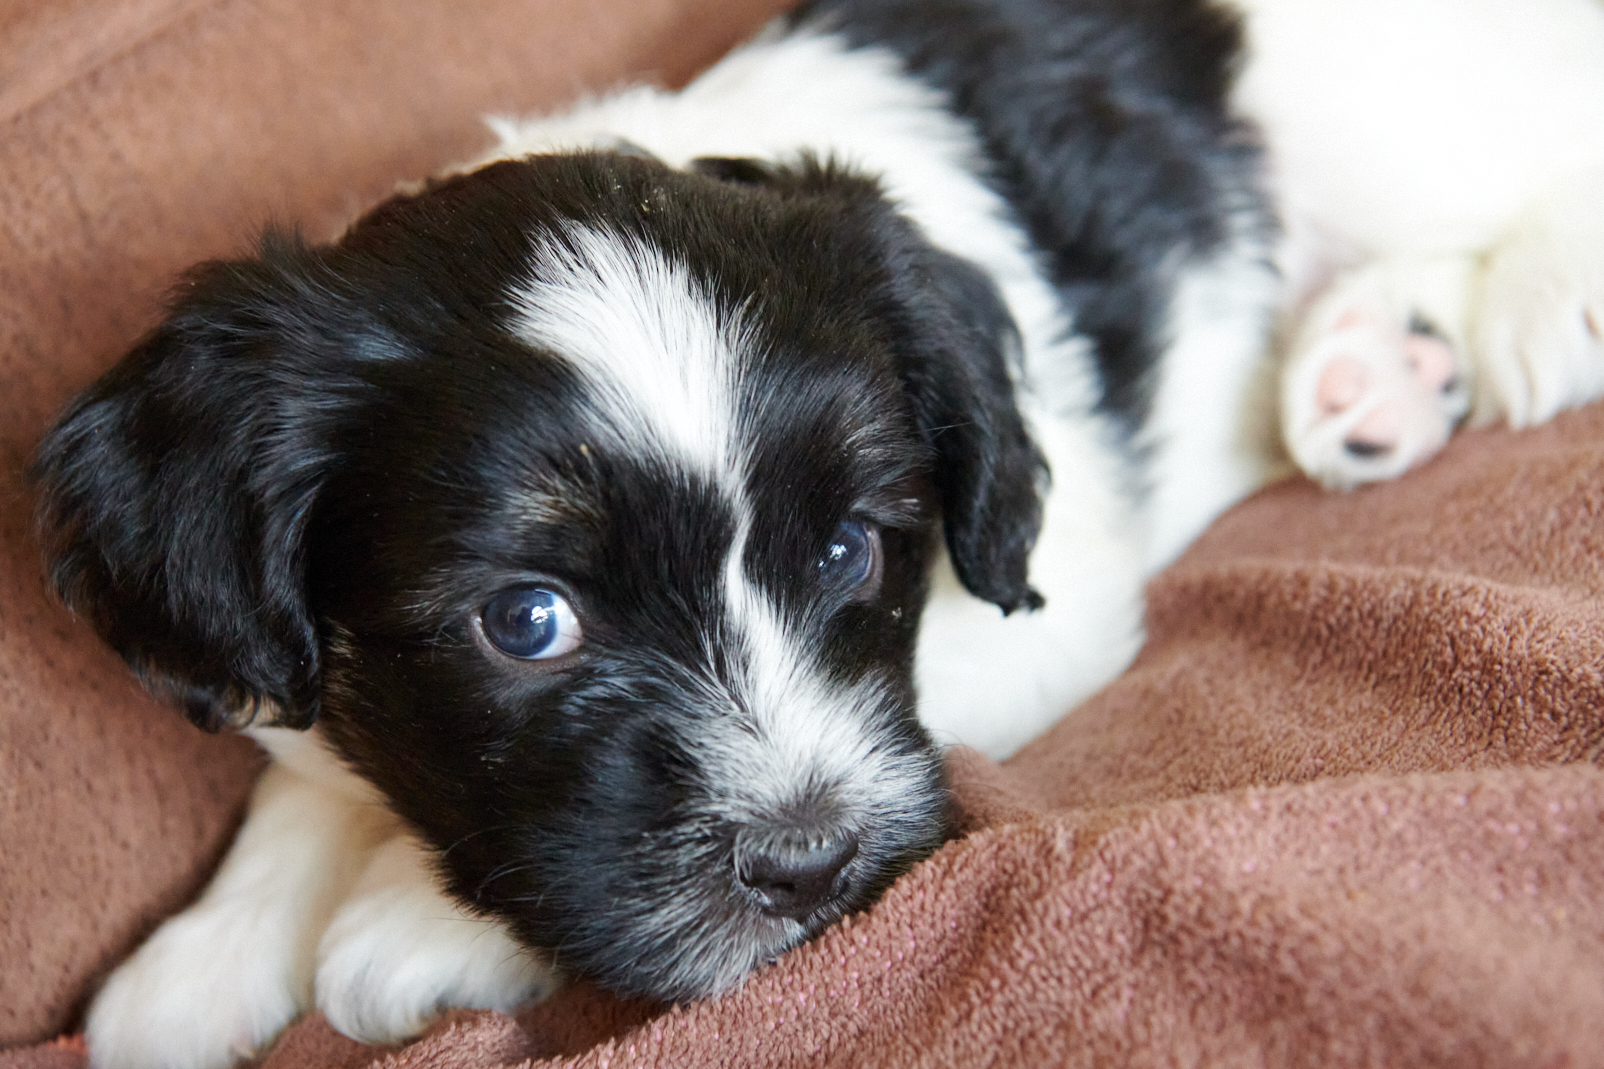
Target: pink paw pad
(1378,433)
(1347,381)
(1369,396)
(1342,385)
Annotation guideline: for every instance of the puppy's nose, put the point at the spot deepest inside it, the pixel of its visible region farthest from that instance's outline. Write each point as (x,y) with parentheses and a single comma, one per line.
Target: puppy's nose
(793,877)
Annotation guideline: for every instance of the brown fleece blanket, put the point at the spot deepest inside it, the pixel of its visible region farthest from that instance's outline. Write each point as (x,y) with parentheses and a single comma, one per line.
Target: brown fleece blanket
(1344,810)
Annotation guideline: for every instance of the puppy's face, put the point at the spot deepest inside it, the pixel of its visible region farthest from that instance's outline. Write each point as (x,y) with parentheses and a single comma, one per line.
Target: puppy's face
(622,581)
(589,506)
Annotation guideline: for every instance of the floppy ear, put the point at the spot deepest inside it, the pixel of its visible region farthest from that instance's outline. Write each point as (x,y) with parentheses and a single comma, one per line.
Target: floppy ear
(988,472)
(175,493)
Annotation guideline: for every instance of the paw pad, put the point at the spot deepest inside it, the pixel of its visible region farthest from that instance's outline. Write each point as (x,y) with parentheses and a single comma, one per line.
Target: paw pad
(1342,385)
(1378,433)
(1368,395)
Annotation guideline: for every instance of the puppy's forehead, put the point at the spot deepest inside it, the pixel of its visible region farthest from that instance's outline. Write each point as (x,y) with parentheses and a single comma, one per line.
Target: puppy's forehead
(662,361)
(743,357)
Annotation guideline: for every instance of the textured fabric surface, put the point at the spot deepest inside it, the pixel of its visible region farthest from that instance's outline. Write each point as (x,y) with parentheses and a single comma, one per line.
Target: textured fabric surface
(1344,810)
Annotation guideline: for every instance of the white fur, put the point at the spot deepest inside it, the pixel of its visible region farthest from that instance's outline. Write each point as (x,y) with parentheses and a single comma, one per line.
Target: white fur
(995,683)
(659,356)
(225,976)
(1537,325)
(794,736)
(1212,434)
(1422,126)
(322,900)
(1408,134)
(399,951)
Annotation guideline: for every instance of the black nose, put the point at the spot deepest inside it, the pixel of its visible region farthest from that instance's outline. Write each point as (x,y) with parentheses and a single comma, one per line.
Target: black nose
(793,876)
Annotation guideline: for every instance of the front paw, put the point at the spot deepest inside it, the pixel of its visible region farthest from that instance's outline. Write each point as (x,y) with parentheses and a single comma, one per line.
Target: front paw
(213,985)
(1370,388)
(399,952)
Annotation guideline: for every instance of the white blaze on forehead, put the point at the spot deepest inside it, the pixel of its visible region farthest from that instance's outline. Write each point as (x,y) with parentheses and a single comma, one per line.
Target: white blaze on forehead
(662,361)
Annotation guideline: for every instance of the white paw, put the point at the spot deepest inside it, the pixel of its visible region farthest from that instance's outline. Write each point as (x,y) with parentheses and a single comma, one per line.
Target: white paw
(1370,389)
(399,952)
(210,987)
(1538,326)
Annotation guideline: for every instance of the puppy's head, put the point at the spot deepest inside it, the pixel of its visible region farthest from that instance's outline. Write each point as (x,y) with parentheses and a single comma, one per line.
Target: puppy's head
(588,505)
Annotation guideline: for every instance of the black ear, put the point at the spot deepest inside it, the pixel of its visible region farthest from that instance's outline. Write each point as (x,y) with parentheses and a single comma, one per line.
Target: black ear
(175,492)
(988,472)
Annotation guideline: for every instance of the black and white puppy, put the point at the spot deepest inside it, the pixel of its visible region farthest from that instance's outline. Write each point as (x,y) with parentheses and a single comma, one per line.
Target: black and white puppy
(577,531)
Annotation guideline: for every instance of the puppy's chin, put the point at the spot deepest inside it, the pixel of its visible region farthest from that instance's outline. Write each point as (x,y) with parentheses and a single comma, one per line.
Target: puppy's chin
(700,945)
(704,943)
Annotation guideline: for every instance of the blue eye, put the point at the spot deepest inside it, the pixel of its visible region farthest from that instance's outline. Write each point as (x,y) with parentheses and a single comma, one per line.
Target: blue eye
(852,559)
(530,623)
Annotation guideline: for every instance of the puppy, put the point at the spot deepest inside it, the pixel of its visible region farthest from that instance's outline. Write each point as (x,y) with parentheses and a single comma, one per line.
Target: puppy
(603,538)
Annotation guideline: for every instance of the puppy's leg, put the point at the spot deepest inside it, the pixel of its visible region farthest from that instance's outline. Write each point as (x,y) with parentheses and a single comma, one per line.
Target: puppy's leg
(225,976)
(399,951)
(1537,322)
(1374,379)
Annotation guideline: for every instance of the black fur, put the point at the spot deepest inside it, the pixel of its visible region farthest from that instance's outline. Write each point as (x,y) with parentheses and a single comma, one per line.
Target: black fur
(1106,128)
